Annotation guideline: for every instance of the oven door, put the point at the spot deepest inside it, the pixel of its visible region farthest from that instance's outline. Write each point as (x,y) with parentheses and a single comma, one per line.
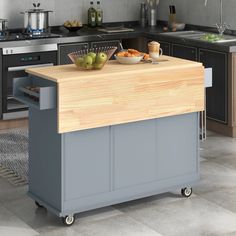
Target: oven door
(14,66)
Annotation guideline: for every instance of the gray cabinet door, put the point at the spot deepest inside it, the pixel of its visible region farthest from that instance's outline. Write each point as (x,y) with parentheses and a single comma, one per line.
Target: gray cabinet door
(86,163)
(134,153)
(217,95)
(184,52)
(177,139)
(65,49)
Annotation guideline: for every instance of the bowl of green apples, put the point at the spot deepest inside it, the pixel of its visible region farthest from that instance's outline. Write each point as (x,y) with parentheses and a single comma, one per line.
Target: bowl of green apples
(93,58)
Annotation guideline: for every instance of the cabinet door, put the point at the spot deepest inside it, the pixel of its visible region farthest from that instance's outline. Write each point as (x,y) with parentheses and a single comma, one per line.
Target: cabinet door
(87,163)
(65,49)
(134,153)
(184,52)
(216,96)
(164,46)
(114,43)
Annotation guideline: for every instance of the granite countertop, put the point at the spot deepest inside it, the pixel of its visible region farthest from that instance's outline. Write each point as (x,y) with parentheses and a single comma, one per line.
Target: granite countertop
(87,35)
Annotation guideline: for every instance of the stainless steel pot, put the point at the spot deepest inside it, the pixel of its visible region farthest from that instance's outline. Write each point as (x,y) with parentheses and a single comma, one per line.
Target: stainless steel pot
(3,25)
(36,19)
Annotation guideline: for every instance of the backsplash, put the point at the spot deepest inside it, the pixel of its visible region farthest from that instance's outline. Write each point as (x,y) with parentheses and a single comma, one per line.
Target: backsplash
(195,12)
(114,10)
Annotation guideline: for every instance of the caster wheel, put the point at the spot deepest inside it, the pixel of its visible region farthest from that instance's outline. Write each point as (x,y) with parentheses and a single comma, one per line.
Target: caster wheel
(38,205)
(68,220)
(186,192)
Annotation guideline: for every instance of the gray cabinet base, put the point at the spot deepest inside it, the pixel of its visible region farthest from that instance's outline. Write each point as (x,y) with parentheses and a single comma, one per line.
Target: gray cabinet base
(79,171)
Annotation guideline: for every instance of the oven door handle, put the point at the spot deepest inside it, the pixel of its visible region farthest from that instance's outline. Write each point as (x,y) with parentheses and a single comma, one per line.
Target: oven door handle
(22,68)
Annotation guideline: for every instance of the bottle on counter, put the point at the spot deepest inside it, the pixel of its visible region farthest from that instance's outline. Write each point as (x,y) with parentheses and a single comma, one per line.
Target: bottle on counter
(143,14)
(91,15)
(99,14)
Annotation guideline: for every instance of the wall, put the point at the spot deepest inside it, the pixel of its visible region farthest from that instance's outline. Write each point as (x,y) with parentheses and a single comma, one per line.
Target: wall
(195,12)
(114,10)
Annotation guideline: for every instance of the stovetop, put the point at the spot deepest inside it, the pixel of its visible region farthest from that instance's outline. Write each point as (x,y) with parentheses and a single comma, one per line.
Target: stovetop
(15,36)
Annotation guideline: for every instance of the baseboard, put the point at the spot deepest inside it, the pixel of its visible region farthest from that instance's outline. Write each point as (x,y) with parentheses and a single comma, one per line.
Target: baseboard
(221,128)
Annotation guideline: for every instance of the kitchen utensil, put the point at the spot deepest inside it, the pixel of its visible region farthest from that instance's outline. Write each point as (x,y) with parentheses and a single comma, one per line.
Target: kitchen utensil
(129,60)
(36,20)
(3,25)
(152,12)
(143,14)
(81,60)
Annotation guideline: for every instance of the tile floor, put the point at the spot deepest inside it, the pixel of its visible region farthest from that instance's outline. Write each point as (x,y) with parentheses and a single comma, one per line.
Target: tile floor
(210,211)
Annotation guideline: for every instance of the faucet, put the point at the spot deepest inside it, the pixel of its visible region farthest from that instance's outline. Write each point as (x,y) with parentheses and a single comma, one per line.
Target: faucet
(221,26)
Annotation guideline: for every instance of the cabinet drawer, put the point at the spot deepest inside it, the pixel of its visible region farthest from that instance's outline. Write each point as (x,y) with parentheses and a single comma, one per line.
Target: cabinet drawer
(42,97)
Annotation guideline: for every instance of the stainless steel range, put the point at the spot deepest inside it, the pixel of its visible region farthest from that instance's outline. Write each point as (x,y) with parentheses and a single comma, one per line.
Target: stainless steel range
(14,61)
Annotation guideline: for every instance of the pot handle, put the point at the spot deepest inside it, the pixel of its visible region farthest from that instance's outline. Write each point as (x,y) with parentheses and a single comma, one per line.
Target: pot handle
(36,5)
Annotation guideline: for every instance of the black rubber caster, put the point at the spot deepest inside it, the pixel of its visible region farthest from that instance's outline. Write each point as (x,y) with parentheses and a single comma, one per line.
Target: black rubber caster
(68,220)
(186,192)
(38,205)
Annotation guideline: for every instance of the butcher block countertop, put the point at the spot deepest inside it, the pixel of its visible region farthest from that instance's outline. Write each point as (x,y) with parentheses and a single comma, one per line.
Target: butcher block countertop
(119,94)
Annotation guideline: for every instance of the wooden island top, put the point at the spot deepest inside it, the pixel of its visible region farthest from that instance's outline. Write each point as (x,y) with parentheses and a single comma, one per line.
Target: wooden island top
(120,94)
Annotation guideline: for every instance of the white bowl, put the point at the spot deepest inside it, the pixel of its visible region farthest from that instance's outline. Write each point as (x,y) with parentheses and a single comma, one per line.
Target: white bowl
(129,60)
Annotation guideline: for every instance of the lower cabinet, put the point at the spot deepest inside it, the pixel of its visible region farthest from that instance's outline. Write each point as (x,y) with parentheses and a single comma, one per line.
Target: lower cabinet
(113,43)
(184,52)
(217,95)
(65,49)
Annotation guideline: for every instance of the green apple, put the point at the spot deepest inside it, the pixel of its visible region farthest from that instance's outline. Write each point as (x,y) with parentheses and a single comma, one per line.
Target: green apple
(87,67)
(88,61)
(79,61)
(101,58)
(98,66)
(93,55)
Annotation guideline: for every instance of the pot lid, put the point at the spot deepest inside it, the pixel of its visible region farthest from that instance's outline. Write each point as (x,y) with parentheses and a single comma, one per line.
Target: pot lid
(37,11)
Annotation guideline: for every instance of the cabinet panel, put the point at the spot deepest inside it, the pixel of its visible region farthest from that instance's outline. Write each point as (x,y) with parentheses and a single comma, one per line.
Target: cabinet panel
(216,96)
(87,162)
(134,153)
(65,49)
(177,139)
(184,52)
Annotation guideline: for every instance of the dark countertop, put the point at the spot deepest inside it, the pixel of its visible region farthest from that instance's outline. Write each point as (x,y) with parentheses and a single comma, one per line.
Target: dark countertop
(88,35)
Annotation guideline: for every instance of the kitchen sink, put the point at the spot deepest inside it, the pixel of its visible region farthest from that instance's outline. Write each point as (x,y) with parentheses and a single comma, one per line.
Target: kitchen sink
(199,36)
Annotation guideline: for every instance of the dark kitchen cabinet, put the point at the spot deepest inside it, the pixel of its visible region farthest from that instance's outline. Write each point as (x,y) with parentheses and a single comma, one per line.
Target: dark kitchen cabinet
(165,48)
(65,49)
(217,95)
(184,52)
(113,43)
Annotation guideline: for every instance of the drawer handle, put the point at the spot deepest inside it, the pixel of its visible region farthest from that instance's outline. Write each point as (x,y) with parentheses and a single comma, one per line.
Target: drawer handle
(21,68)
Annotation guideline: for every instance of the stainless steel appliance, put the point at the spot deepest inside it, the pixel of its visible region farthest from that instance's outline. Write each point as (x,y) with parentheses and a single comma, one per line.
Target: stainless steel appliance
(36,20)
(3,26)
(152,11)
(14,62)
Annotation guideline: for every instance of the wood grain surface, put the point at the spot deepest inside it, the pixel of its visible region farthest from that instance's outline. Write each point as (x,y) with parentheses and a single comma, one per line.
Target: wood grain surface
(120,93)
